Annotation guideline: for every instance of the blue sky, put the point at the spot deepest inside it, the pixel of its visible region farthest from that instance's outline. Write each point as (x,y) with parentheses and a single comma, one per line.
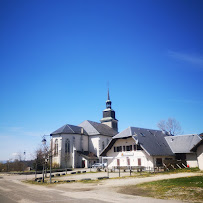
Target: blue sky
(56,58)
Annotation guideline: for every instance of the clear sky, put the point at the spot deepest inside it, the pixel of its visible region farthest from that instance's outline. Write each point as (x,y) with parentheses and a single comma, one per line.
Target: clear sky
(56,58)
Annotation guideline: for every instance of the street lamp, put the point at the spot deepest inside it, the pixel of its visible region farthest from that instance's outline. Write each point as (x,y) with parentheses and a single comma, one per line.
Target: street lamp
(50,156)
(44,140)
(44,143)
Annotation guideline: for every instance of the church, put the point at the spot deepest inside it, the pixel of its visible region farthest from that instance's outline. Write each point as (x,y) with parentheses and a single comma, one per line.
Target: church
(80,146)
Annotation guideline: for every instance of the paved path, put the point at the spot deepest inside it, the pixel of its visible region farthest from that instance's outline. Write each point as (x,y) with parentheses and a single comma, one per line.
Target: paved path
(12,190)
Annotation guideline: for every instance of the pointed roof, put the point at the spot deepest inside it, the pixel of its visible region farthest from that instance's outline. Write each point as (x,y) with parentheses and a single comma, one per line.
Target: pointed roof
(108,97)
(94,128)
(69,129)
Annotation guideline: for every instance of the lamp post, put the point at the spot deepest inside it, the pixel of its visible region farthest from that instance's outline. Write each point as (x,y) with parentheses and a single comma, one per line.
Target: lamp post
(44,144)
(50,157)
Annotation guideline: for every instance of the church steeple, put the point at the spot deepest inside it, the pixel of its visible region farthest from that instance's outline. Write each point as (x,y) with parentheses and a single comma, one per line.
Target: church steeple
(109,115)
(108,102)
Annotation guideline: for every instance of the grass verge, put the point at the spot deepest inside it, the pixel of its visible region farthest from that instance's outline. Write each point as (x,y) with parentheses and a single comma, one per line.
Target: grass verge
(185,189)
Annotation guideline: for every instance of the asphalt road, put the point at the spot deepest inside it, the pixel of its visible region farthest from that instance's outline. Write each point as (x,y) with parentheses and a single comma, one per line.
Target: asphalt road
(13,191)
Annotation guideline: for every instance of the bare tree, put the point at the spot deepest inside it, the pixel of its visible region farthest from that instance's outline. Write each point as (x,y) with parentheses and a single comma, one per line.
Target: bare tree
(172,126)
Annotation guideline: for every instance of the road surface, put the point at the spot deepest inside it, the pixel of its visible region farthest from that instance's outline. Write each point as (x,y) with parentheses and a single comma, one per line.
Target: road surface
(13,190)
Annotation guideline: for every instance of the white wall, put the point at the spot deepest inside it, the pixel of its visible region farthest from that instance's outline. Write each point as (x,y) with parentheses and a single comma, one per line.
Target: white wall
(95,143)
(200,156)
(133,156)
(77,143)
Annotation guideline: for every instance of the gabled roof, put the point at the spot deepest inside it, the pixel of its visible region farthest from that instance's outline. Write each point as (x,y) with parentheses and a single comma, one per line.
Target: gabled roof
(197,145)
(69,129)
(152,141)
(182,143)
(94,128)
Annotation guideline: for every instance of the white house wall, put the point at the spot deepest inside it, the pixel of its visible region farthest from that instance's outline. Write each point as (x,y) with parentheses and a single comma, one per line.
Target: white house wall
(133,156)
(200,156)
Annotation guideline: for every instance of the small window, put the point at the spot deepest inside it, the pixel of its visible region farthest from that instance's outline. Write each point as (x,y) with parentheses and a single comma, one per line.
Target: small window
(114,149)
(124,148)
(135,148)
(139,162)
(129,148)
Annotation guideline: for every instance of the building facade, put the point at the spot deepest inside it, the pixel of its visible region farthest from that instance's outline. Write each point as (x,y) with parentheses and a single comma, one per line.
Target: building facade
(148,148)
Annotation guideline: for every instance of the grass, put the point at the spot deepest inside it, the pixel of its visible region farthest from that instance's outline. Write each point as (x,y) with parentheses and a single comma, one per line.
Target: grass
(188,188)
(183,170)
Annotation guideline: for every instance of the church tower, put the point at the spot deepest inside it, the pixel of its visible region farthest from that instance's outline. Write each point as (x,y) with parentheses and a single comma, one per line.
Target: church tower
(109,115)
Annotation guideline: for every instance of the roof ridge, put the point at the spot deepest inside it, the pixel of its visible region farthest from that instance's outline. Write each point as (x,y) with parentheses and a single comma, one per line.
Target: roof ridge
(145,128)
(71,128)
(93,126)
(63,127)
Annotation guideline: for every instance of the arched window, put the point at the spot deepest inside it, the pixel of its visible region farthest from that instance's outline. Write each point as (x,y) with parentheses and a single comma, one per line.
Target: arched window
(102,145)
(67,146)
(56,147)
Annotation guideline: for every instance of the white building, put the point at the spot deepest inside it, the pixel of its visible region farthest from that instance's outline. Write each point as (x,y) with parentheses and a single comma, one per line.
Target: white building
(149,148)
(80,146)
(198,149)
(138,147)
(181,146)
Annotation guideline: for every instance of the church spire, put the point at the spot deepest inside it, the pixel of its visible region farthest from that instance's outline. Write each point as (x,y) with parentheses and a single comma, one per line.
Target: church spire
(108,102)
(108,97)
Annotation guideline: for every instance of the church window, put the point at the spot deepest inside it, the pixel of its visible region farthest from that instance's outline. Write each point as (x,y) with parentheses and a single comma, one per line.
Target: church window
(67,146)
(102,145)
(56,147)
(74,140)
